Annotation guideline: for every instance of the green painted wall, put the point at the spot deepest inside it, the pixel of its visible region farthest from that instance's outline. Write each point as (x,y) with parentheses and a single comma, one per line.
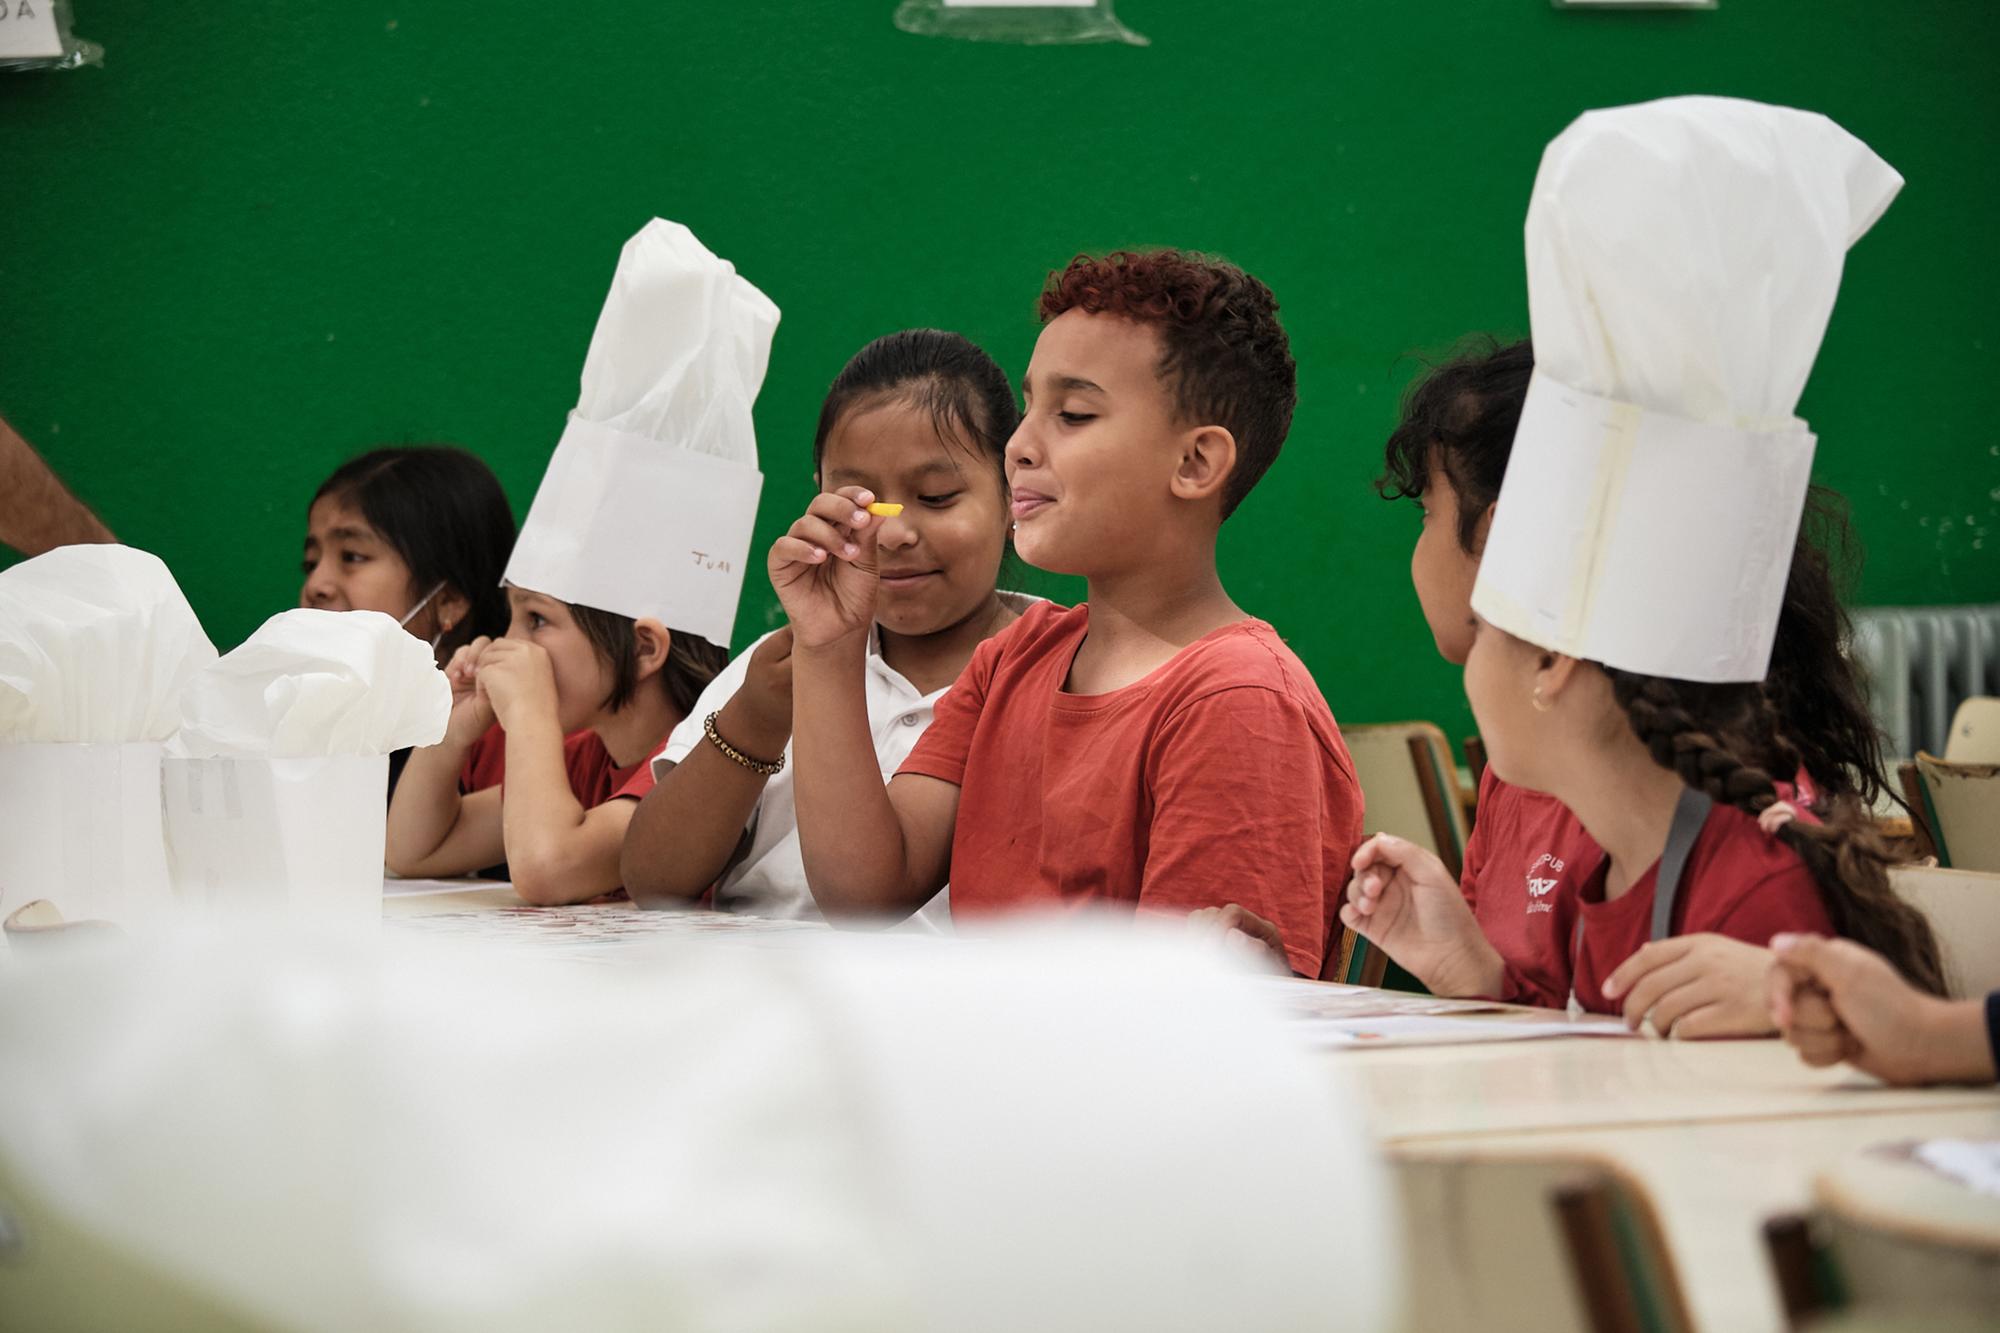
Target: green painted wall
(264,237)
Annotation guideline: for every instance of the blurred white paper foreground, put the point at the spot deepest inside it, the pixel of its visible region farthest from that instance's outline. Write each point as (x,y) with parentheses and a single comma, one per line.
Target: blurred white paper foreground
(1056,1128)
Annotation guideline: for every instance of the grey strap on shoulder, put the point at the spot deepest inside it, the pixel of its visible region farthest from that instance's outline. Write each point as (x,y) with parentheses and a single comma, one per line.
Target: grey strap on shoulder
(1689,816)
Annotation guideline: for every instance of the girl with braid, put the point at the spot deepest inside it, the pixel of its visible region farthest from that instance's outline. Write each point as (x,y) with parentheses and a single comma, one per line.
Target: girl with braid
(1688,811)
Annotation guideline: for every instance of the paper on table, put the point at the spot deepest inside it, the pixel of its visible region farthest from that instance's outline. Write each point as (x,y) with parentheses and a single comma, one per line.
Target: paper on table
(1325,999)
(1444,1030)
(1971,1162)
(414,888)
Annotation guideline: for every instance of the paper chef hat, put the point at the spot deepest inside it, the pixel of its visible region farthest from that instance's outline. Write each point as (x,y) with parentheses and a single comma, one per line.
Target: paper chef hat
(1683,257)
(648,503)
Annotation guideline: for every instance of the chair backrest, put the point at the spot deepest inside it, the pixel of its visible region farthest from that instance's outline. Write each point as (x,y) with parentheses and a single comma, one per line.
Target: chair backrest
(1563,1243)
(1410,786)
(1893,1242)
(1962,804)
(1963,907)
(1975,732)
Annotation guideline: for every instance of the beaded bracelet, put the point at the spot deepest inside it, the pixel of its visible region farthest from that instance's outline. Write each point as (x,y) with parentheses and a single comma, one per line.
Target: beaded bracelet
(768,768)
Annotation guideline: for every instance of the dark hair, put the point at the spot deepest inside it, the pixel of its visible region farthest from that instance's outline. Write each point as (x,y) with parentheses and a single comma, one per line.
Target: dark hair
(1700,732)
(1461,417)
(1223,354)
(945,374)
(444,513)
(692,661)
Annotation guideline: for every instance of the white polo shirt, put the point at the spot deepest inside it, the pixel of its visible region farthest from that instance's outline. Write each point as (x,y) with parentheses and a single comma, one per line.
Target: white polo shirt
(769,879)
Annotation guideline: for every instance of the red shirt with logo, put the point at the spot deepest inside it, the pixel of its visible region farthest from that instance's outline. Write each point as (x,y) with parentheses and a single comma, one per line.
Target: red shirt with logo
(1530,868)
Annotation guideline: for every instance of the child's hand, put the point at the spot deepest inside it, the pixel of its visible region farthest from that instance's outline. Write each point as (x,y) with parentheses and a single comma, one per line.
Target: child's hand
(758,717)
(471,710)
(1835,1000)
(1694,986)
(1403,900)
(825,569)
(1247,926)
(518,680)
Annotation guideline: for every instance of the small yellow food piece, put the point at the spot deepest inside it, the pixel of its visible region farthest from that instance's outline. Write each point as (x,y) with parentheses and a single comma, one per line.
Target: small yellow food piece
(881,510)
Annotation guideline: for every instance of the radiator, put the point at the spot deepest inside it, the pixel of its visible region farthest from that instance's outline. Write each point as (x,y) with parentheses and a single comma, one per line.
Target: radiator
(1921,662)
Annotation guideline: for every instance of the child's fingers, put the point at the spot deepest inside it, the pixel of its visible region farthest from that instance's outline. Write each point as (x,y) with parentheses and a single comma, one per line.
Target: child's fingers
(1351,917)
(1383,848)
(841,512)
(816,531)
(790,550)
(1820,1049)
(1813,1012)
(860,496)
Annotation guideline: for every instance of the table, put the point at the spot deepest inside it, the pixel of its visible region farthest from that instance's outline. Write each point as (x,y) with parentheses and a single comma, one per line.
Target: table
(1722,1134)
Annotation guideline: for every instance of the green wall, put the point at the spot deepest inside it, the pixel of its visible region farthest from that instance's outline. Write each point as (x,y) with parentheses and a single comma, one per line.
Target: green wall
(264,237)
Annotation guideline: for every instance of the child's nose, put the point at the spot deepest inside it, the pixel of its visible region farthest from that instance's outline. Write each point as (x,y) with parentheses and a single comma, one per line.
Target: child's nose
(1023,450)
(897,531)
(318,591)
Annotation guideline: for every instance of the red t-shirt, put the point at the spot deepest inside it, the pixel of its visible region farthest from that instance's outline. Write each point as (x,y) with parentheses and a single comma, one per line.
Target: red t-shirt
(1529,865)
(1739,881)
(1524,865)
(1218,778)
(593,777)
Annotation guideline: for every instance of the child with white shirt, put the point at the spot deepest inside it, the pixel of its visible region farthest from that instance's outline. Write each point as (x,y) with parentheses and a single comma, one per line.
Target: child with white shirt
(921,419)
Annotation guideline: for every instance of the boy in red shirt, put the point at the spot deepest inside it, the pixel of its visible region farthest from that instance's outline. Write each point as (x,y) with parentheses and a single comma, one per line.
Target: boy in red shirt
(1157,747)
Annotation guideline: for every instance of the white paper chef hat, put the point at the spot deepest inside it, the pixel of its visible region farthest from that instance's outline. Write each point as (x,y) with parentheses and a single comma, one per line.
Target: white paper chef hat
(648,503)
(1683,257)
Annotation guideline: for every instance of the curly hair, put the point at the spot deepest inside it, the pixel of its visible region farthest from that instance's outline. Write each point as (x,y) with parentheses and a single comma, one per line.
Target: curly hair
(1461,416)
(1224,356)
(1700,731)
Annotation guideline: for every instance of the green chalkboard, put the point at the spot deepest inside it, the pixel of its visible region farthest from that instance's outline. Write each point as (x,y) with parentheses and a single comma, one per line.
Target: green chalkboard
(264,237)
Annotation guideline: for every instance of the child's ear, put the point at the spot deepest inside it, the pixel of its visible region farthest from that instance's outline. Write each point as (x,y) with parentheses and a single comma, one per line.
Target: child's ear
(453,607)
(1553,674)
(651,643)
(1481,527)
(1208,456)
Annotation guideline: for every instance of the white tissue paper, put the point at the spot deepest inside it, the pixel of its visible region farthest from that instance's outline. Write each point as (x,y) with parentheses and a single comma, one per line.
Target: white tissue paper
(96,644)
(1683,259)
(276,785)
(1059,1129)
(650,499)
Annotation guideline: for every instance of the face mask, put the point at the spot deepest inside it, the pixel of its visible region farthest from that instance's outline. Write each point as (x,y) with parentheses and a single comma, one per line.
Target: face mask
(411,614)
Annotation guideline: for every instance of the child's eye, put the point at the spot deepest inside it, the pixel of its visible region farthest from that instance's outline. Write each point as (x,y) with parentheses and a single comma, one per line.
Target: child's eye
(536,620)
(306,567)
(353,558)
(939,501)
(1076,418)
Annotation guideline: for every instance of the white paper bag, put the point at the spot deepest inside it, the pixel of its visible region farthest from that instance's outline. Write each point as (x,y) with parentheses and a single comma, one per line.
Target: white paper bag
(80,826)
(252,834)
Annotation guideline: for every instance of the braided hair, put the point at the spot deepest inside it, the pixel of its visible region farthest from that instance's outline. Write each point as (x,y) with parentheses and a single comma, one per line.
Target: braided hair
(1702,731)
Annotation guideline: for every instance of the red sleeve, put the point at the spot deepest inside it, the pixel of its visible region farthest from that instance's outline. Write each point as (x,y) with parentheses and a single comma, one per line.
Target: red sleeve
(942,749)
(1516,985)
(1247,808)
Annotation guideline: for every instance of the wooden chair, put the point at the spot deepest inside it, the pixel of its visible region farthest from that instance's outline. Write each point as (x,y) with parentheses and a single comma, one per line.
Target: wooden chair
(1565,1243)
(1890,1243)
(1961,803)
(1410,788)
(1921,833)
(1963,907)
(1975,732)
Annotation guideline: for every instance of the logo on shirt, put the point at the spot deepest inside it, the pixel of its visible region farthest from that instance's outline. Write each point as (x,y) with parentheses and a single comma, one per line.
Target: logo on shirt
(1539,888)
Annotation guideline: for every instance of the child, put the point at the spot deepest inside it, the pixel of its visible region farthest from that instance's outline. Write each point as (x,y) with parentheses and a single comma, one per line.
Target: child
(921,419)
(421,534)
(1155,748)
(566,709)
(1528,854)
(624,579)
(1646,757)
(1835,1001)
